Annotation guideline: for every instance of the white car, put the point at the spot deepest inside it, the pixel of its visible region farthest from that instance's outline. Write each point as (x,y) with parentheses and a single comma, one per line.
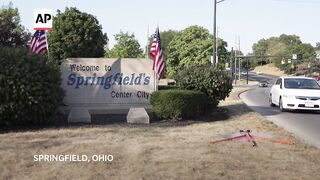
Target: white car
(291,93)
(244,73)
(263,84)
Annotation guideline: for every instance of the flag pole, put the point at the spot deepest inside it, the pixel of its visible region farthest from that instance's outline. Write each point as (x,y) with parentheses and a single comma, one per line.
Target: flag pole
(156,69)
(156,80)
(156,53)
(147,46)
(47,45)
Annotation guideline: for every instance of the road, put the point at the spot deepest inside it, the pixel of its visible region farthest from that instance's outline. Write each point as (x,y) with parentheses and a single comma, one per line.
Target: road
(303,124)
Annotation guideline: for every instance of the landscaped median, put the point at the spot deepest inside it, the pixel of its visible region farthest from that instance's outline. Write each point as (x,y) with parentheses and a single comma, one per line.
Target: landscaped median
(161,150)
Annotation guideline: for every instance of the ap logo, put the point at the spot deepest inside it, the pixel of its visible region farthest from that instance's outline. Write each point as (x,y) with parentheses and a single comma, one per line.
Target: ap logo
(43,19)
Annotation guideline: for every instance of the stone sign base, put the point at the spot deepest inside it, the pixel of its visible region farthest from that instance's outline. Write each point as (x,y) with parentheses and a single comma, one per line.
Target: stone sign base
(79,115)
(138,115)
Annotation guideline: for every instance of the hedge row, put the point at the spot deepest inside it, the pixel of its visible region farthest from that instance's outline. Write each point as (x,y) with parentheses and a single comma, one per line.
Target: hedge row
(177,104)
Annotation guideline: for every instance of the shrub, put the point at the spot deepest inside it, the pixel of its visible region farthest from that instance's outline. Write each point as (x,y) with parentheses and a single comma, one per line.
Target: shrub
(177,104)
(167,87)
(30,91)
(287,68)
(215,83)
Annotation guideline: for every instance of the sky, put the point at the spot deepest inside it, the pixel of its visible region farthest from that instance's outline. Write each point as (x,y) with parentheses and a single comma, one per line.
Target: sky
(247,20)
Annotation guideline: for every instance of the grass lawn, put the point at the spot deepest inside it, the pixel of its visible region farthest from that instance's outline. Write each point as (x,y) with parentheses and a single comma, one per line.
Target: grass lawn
(162,150)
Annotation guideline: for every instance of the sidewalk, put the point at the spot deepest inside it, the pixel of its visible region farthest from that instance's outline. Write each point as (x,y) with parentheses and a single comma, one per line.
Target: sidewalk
(243,83)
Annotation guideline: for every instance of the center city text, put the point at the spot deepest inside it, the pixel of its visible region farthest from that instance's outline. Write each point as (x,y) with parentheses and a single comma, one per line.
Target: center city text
(140,94)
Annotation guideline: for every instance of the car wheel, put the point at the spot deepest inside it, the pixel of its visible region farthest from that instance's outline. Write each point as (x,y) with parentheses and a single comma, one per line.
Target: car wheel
(270,101)
(281,105)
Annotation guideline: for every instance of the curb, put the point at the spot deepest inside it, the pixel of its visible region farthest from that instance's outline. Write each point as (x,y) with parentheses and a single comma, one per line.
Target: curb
(243,92)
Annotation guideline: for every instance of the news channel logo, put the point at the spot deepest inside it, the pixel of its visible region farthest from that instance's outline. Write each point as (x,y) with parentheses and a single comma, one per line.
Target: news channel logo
(43,19)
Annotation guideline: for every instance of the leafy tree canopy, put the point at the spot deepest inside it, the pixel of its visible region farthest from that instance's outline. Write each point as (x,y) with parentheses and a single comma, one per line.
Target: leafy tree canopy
(166,38)
(127,47)
(12,33)
(318,45)
(282,48)
(192,46)
(76,34)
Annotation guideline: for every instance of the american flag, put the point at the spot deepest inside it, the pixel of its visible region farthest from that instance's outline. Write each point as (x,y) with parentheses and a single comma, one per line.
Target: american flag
(38,42)
(156,53)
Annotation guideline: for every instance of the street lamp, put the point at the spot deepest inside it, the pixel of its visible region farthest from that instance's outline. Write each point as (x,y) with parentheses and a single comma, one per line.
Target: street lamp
(214,53)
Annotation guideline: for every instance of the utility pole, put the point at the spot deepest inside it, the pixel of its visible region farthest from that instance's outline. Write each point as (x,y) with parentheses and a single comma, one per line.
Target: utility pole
(231,62)
(235,68)
(247,70)
(239,59)
(214,52)
(217,37)
(214,31)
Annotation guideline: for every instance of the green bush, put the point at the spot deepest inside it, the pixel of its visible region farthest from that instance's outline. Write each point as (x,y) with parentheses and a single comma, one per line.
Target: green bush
(30,91)
(213,82)
(177,104)
(167,87)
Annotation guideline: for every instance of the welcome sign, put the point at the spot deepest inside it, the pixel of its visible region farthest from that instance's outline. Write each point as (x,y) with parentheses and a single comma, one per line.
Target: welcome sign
(104,81)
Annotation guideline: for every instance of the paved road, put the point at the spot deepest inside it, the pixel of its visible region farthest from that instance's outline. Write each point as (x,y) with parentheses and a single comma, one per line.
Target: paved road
(303,124)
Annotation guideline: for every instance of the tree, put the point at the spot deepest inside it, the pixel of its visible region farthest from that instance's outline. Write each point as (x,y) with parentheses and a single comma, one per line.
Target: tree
(291,44)
(278,50)
(192,46)
(30,87)
(166,38)
(281,48)
(127,47)
(223,53)
(76,34)
(307,51)
(12,33)
(289,39)
(260,49)
(318,45)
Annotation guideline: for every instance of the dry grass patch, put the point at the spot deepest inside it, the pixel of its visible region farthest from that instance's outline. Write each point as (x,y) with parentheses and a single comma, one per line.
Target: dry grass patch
(162,151)
(269,69)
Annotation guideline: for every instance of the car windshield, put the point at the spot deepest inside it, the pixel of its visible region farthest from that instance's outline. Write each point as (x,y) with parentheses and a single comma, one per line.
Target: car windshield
(299,83)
